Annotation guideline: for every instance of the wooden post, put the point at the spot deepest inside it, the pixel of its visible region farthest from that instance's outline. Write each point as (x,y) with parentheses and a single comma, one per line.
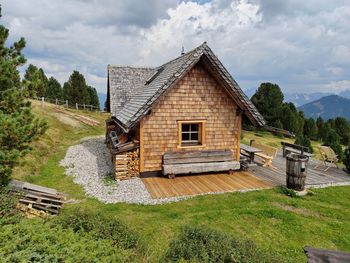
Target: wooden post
(42,101)
(142,161)
(238,157)
(76,106)
(84,106)
(56,101)
(67,104)
(91,107)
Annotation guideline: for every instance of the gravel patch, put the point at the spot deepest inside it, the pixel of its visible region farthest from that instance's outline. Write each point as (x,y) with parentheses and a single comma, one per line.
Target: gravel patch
(90,164)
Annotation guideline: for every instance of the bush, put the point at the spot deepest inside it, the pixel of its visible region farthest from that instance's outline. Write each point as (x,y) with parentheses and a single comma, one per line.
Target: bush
(346,159)
(99,227)
(198,244)
(8,211)
(34,241)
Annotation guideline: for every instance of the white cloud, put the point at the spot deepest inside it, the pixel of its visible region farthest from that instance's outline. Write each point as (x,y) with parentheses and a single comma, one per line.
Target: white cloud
(301,45)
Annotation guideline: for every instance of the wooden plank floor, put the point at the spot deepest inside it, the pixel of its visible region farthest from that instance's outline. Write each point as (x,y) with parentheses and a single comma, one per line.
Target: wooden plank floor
(162,187)
(315,177)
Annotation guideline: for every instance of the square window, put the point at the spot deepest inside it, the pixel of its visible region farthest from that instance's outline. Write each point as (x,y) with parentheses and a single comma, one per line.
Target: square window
(191,133)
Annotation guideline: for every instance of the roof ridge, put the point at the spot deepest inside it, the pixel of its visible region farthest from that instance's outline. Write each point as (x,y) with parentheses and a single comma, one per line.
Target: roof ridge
(128,66)
(160,90)
(203,45)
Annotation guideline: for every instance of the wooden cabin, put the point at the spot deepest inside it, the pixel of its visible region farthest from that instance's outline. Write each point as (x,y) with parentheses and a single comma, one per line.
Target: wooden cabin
(190,106)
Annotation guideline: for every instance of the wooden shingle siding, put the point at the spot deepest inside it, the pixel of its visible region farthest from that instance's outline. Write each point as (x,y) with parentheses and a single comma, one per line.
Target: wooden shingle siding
(197,96)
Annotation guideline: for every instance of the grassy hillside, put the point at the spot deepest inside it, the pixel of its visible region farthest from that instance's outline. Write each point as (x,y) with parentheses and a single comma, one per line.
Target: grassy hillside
(274,141)
(275,222)
(41,164)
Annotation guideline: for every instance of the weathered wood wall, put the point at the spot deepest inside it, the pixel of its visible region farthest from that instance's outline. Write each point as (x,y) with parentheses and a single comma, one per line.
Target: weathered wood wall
(197,96)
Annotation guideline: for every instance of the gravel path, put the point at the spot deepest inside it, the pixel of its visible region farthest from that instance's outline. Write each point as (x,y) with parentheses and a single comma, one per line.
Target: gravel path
(89,163)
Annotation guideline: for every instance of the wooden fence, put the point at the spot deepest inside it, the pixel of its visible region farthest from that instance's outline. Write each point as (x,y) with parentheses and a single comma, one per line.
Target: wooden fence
(66,104)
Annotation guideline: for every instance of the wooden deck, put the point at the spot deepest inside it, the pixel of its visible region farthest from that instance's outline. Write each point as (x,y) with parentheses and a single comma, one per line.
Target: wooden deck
(255,178)
(162,187)
(276,175)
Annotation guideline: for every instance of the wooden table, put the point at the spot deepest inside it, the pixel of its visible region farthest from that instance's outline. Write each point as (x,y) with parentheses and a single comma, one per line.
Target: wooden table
(249,151)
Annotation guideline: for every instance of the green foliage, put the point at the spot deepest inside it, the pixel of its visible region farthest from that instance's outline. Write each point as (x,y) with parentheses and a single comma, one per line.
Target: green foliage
(76,90)
(8,202)
(35,82)
(93,97)
(99,227)
(342,128)
(304,141)
(332,139)
(310,128)
(54,89)
(286,191)
(36,241)
(199,244)
(19,127)
(268,99)
(346,159)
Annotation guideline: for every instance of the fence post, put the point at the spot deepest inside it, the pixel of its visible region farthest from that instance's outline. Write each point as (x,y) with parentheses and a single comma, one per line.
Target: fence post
(56,101)
(67,104)
(91,107)
(84,106)
(42,101)
(76,106)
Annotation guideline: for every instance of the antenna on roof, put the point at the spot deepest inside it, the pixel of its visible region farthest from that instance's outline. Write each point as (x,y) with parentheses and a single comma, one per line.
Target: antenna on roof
(182,50)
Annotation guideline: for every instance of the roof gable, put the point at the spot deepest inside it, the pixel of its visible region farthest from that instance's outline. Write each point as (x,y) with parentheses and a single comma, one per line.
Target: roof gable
(124,83)
(169,74)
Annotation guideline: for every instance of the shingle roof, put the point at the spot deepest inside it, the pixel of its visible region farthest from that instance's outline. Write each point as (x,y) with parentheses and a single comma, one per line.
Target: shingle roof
(144,93)
(124,82)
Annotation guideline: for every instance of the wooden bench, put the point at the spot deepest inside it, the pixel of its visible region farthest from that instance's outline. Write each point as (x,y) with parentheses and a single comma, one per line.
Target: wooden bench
(295,148)
(188,162)
(267,154)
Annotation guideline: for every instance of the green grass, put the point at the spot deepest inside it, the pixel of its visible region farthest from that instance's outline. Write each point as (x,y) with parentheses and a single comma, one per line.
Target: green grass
(274,141)
(276,222)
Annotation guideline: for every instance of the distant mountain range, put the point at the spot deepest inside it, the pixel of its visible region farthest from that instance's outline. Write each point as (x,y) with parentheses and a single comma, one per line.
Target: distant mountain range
(303,98)
(328,107)
(102,98)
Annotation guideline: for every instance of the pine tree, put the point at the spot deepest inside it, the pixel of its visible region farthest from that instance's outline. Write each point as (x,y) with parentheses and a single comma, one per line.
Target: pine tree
(269,99)
(310,128)
(93,97)
(54,89)
(35,81)
(76,90)
(19,127)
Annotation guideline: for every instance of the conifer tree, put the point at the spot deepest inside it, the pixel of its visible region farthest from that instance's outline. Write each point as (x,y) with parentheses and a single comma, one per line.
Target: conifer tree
(93,97)
(54,89)
(35,81)
(75,89)
(19,127)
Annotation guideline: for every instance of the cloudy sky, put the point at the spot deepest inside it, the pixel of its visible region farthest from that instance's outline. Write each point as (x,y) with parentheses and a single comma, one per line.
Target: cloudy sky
(304,46)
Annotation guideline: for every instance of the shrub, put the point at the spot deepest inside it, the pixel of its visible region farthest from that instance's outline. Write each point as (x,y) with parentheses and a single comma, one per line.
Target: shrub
(99,227)
(346,159)
(34,241)
(286,191)
(198,244)
(8,212)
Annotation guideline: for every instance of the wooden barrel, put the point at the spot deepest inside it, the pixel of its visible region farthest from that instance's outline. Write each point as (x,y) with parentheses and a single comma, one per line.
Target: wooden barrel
(296,170)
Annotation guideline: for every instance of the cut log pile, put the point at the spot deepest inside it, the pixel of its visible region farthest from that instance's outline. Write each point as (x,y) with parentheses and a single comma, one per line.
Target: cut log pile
(126,165)
(36,200)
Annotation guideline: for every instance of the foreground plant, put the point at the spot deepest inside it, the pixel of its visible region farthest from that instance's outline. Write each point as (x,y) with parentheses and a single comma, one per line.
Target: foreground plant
(19,127)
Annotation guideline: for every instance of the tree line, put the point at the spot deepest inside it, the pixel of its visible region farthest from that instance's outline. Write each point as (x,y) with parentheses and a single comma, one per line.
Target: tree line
(269,100)
(75,90)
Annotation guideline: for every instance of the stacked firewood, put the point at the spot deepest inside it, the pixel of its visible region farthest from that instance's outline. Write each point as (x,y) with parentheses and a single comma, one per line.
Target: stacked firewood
(127,165)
